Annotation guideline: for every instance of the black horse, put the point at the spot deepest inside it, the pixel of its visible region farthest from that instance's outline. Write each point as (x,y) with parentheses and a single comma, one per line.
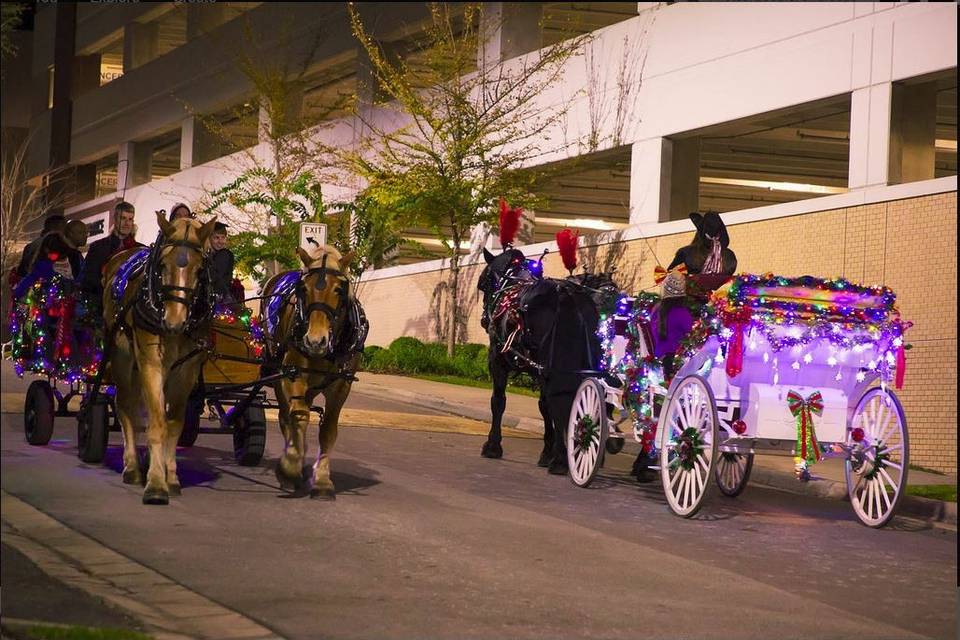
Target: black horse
(543,327)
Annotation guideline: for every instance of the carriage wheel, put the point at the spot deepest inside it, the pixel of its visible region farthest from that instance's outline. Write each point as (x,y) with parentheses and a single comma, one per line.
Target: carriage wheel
(93,429)
(191,420)
(733,472)
(586,432)
(876,470)
(38,413)
(250,436)
(688,445)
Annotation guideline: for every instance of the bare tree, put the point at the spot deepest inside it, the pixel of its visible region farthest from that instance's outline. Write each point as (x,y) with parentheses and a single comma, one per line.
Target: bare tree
(470,129)
(25,200)
(611,102)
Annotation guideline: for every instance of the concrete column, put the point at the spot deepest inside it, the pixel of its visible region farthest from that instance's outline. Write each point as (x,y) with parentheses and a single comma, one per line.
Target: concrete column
(204,17)
(366,81)
(684,178)
(133,165)
(650,162)
(140,44)
(870,117)
(86,74)
(507,30)
(664,179)
(913,133)
(197,144)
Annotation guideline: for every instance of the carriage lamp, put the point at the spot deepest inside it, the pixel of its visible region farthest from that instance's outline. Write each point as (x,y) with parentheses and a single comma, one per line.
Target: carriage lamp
(535,268)
(739,427)
(856,434)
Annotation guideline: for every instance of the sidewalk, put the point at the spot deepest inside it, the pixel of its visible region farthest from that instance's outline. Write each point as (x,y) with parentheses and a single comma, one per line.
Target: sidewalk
(774,471)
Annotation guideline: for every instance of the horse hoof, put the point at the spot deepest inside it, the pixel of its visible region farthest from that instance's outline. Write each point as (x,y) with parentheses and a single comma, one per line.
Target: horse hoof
(323,494)
(645,475)
(558,469)
(545,459)
(156,496)
(175,490)
(286,482)
(131,476)
(492,450)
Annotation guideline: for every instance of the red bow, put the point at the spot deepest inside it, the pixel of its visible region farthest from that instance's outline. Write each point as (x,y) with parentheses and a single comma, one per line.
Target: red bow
(803,411)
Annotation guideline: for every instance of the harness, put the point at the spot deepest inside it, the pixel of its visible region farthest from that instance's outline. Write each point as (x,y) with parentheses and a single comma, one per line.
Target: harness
(349,326)
(148,306)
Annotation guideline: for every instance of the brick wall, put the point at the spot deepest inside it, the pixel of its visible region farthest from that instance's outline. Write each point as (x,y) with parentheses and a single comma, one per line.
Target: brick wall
(909,245)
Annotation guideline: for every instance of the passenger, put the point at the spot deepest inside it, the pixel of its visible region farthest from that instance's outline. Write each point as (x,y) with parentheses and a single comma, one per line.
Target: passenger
(180,210)
(121,238)
(221,264)
(58,253)
(54,222)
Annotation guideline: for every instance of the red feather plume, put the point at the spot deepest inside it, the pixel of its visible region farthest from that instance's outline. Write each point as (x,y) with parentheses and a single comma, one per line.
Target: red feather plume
(567,246)
(509,222)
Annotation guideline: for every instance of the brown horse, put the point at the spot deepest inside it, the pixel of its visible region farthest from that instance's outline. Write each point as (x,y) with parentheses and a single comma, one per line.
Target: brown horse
(311,325)
(155,325)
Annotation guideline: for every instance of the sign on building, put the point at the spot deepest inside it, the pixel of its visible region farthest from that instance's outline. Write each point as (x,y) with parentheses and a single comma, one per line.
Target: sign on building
(98,226)
(313,235)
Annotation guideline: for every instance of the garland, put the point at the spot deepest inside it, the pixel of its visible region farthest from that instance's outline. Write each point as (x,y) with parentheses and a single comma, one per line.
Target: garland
(253,327)
(45,338)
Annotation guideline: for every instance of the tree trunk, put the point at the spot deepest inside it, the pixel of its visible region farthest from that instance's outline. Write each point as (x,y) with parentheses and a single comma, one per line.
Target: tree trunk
(454,288)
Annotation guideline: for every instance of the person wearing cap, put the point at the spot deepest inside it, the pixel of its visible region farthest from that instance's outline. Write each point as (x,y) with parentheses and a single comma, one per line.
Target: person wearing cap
(180,210)
(121,238)
(58,253)
(221,263)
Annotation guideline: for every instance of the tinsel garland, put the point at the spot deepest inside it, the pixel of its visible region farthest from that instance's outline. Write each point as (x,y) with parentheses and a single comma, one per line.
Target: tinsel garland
(45,338)
(257,340)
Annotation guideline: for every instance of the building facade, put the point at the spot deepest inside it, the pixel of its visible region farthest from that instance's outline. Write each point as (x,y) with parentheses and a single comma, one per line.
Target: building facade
(825,133)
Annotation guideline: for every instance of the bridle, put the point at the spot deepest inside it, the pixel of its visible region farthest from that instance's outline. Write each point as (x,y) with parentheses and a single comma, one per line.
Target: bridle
(155,293)
(303,311)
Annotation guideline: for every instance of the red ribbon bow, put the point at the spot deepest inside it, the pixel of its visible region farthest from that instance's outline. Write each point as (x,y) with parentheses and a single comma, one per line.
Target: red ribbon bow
(659,273)
(803,411)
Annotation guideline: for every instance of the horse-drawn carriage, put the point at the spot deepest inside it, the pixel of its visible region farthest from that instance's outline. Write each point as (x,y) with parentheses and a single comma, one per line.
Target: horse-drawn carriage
(165,343)
(796,365)
(55,338)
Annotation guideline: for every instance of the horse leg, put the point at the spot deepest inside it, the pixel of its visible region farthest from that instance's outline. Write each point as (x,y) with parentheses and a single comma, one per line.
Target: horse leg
(546,455)
(335,396)
(559,403)
(498,403)
(290,467)
(151,376)
(128,408)
(178,390)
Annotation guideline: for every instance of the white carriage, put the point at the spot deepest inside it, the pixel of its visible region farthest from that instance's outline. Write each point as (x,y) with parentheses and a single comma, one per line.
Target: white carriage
(800,365)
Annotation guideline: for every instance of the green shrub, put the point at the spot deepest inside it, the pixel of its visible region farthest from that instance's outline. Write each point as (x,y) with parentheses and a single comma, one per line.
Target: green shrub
(411,356)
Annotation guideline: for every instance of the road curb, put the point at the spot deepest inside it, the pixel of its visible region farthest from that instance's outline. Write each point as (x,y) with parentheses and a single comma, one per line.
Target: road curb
(912,506)
(167,609)
(437,403)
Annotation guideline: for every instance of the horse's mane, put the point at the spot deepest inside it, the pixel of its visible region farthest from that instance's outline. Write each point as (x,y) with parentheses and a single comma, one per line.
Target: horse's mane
(328,250)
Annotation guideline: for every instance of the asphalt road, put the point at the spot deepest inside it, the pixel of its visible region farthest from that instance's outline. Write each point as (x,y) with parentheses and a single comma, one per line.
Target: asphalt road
(429,540)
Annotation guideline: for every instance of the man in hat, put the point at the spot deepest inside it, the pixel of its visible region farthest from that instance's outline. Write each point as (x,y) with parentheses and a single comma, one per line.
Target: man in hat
(121,238)
(221,263)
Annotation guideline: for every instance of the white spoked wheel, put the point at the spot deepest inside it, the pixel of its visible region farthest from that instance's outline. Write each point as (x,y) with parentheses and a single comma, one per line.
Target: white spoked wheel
(688,445)
(733,472)
(876,469)
(587,432)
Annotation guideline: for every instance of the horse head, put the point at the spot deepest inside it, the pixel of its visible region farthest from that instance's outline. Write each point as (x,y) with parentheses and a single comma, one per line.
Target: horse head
(179,259)
(323,298)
